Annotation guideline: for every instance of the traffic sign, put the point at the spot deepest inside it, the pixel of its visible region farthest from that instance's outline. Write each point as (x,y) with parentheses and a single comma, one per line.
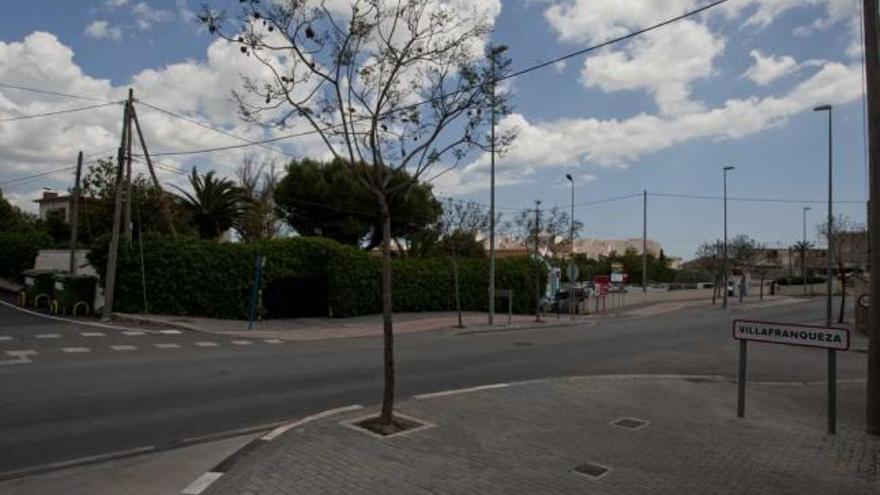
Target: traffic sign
(791,334)
(572,272)
(865,301)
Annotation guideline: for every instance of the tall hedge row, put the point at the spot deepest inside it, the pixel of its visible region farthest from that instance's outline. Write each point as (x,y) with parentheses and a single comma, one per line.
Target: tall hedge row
(18,249)
(203,278)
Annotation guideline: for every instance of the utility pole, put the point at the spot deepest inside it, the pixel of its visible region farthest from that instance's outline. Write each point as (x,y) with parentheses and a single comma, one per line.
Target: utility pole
(74,215)
(829,233)
(872,69)
(537,258)
(126,222)
(724,254)
(804,253)
(645,240)
(110,274)
(571,295)
(163,200)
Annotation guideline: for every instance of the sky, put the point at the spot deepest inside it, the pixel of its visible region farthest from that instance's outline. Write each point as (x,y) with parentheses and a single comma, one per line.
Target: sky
(663,112)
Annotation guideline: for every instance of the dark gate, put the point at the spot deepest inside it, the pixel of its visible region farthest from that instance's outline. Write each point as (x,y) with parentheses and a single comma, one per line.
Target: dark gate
(296,298)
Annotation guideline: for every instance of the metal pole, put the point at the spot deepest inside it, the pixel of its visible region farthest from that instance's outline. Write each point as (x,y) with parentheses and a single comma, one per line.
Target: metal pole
(804,253)
(254,290)
(741,381)
(872,70)
(492,201)
(830,280)
(74,215)
(571,295)
(724,260)
(537,258)
(832,391)
(645,240)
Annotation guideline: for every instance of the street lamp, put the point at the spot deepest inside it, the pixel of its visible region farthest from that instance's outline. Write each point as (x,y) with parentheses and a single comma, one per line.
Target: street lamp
(494,52)
(571,252)
(804,253)
(830,250)
(724,261)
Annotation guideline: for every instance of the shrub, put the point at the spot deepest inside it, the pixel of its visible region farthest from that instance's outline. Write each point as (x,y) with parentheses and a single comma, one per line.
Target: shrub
(811,279)
(18,249)
(203,278)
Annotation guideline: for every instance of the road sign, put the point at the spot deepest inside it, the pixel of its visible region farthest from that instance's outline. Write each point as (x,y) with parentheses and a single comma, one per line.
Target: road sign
(572,272)
(791,334)
(618,277)
(865,301)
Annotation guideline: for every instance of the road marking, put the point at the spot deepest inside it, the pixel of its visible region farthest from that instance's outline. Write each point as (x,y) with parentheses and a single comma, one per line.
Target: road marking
(23,353)
(74,462)
(123,347)
(93,334)
(207,344)
(19,360)
(460,391)
(75,349)
(48,336)
(284,428)
(201,484)
(170,332)
(5,337)
(274,341)
(167,346)
(132,333)
(242,342)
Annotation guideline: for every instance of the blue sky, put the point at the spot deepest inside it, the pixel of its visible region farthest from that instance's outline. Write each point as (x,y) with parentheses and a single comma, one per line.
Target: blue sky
(621,120)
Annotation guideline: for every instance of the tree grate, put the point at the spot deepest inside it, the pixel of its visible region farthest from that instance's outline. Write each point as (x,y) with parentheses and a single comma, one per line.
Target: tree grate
(592,470)
(630,423)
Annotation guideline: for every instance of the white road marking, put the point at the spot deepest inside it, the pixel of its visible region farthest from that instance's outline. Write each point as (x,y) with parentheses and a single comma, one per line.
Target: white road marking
(93,334)
(123,347)
(201,484)
(460,391)
(19,360)
(23,353)
(48,336)
(167,346)
(5,337)
(284,428)
(242,342)
(273,341)
(207,344)
(75,349)
(170,332)
(132,333)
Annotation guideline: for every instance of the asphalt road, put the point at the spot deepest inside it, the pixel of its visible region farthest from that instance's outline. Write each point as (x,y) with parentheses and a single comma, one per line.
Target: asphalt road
(129,391)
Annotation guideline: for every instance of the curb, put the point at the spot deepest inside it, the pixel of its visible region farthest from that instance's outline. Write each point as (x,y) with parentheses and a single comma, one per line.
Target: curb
(76,322)
(203,482)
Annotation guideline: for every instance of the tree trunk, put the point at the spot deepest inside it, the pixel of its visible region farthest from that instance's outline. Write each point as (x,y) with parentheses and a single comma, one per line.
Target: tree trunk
(742,286)
(387,326)
(714,290)
(762,287)
(842,295)
(457,292)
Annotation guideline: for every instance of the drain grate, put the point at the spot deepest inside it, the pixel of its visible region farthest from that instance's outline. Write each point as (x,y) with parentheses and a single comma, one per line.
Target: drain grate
(630,423)
(592,470)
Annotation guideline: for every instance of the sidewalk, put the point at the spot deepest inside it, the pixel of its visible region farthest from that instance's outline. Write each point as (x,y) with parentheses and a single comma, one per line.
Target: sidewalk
(528,438)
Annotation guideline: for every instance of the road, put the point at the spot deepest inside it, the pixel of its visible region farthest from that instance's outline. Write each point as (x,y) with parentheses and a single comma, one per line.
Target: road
(79,391)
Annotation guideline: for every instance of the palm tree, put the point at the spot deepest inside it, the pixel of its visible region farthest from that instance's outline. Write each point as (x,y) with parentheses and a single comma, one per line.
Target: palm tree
(215,204)
(803,247)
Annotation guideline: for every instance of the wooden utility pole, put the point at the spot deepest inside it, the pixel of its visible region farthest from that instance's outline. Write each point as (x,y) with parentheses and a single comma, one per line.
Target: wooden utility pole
(126,222)
(645,240)
(163,200)
(74,215)
(110,274)
(872,72)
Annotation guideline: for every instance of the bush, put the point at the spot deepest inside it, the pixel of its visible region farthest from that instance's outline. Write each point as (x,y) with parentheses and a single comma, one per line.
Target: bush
(811,279)
(18,249)
(203,278)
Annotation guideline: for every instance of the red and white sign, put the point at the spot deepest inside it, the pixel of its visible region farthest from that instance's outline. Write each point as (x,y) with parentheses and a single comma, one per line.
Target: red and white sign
(791,334)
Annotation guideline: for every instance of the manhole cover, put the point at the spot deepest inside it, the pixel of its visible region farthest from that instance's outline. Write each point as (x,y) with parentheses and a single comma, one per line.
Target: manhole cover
(592,470)
(630,423)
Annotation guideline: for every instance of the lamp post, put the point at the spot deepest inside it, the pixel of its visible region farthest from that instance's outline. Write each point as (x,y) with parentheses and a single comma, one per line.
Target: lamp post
(832,355)
(494,52)
(571,251)
(724,259)
(804,253)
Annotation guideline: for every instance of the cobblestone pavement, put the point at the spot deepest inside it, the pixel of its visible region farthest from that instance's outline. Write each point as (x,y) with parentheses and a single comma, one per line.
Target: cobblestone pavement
(527,438)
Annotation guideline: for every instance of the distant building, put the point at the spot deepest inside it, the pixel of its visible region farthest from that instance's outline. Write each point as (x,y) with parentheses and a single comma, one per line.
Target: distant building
(592,248)
(54,203)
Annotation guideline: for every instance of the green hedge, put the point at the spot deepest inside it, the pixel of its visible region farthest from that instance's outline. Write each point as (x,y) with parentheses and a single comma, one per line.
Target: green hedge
(18,249)
(204,278)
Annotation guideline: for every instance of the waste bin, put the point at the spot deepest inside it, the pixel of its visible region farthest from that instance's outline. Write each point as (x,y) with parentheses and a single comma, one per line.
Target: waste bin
(73,293)
(38,287)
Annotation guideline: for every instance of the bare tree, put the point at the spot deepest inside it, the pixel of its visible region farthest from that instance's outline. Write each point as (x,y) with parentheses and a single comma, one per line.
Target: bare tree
(709,259)
(260,219)
(552,239)
(356,74)
(742,251)
(843,230)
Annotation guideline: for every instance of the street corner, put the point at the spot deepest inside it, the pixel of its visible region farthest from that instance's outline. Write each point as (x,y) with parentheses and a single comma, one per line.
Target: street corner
(603,434)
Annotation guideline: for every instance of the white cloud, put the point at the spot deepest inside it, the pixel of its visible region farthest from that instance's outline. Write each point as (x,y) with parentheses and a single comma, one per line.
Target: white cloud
(145,16)
(663,62)
(767,69)
(102,30)
(114,4)
(618,143)
(599,20)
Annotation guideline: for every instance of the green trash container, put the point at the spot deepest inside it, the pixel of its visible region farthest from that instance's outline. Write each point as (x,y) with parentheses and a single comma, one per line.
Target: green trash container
(38,287)
(73,294)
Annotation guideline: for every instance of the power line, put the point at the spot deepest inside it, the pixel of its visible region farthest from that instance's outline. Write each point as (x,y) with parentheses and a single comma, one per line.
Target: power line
(527,70)
(58,112)
(36,176)
(749,200)
(46,92)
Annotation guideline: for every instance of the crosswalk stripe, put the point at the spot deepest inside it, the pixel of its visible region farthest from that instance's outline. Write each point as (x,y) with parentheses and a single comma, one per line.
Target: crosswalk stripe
(5,337)
(170,332)
(48,336)
(123,347)
(242,342)
(75,349)
(207,344)
(93,334)
(273,341)
(27,352)
(132,333)
(167,346)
